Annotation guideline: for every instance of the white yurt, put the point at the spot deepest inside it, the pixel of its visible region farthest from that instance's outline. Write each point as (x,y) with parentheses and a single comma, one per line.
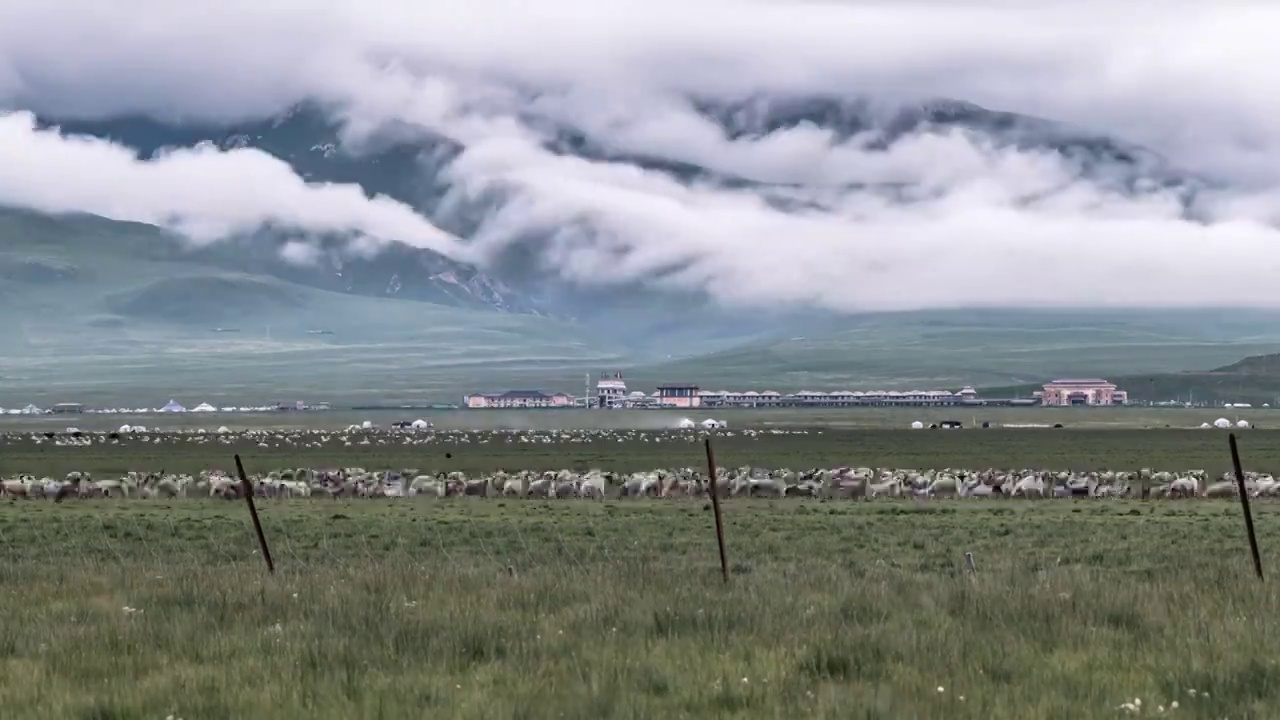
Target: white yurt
(204,407)
(172,406)
(366,425)
(1205,425)
(1222,423)
(126,428)
(1242,423)
(917,425)
(687,424)
(420,424)
(712,424)
(223,430)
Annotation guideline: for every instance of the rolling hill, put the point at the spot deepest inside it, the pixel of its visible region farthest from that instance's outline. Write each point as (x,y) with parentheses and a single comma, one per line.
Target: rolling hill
(984,348)
(91,310)
(100,311)
(1254,379)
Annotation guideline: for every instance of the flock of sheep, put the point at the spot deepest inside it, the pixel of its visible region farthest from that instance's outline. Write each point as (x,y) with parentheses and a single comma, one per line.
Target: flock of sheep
(834,483)
(352,436)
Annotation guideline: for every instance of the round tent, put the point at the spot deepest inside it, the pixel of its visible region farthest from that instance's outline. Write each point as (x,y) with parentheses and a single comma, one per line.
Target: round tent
(1222,423)
(1242,423)
(917,425)
(687,424)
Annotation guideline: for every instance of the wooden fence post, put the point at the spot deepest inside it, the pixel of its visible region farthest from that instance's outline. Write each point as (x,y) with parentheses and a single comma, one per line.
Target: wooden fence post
(247,488)
(715,508)
(1244,504)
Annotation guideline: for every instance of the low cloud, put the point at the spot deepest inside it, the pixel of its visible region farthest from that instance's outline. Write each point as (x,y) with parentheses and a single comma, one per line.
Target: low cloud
(203,192)
(811,215)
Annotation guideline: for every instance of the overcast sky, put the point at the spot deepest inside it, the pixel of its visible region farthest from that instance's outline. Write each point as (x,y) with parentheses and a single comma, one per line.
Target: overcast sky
(1189,81)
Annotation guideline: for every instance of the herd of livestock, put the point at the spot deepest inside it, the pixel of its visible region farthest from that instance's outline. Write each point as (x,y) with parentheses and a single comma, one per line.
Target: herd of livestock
(862,483)
(356,436)
(856,483)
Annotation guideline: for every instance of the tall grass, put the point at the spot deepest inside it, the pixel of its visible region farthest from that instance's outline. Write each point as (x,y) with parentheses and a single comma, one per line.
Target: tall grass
(498,610)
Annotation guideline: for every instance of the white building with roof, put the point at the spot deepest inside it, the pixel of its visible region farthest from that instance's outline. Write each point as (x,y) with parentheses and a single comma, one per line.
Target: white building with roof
(611,391)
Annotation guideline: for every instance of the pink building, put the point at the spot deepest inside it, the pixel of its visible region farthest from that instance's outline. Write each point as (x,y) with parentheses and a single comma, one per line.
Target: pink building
(681,396)
(518,399)
(1090,391)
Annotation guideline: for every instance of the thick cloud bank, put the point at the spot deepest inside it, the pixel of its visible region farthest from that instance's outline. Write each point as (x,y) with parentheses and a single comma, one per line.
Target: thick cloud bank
(812,214)
(203,192)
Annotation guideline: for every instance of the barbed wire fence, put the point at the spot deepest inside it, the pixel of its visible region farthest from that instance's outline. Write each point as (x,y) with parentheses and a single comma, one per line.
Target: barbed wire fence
(119,529)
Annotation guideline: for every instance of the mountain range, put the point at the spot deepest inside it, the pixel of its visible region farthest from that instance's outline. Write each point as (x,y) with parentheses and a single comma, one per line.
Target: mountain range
(113,288)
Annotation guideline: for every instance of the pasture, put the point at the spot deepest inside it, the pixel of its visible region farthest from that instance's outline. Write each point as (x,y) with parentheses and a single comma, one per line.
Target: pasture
(495,608)
(492,609)
(637,450)
(851,418)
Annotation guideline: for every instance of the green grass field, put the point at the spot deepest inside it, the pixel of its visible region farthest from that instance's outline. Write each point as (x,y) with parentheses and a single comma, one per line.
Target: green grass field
(475,452)
(475,609)
(737,418)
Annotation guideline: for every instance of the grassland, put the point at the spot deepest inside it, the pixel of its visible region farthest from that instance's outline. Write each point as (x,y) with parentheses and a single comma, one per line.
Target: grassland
(984,348)
(476,452)
(110,312)
(584,610)
(1255,379)
(114,314)
(738,418)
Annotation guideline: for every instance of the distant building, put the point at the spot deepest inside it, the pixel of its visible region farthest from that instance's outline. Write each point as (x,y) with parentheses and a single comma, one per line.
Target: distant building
(637,399)
(681,395)
(822,398)
(68,408)
(1090,391)
(518,399)
(611,391)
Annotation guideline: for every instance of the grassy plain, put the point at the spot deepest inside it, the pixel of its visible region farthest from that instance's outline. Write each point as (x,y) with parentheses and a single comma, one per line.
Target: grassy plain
(475,609)
(509,609)
(631,450)
(737,418)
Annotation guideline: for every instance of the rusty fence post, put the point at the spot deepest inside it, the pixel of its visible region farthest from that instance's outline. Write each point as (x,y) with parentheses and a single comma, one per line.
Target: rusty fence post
(247,488)
(715,508)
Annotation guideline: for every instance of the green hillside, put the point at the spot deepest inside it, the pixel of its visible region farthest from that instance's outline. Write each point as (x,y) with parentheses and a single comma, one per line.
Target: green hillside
(1255,380)
(984,348)
(98,311)
(115,313)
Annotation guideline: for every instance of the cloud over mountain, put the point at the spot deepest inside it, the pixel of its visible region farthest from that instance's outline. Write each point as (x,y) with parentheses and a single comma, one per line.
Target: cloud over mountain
(811,154)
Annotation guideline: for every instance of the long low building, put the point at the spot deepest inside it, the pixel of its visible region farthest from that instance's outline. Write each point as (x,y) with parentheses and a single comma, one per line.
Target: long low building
(688,395)
(767,398)
(518,399)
